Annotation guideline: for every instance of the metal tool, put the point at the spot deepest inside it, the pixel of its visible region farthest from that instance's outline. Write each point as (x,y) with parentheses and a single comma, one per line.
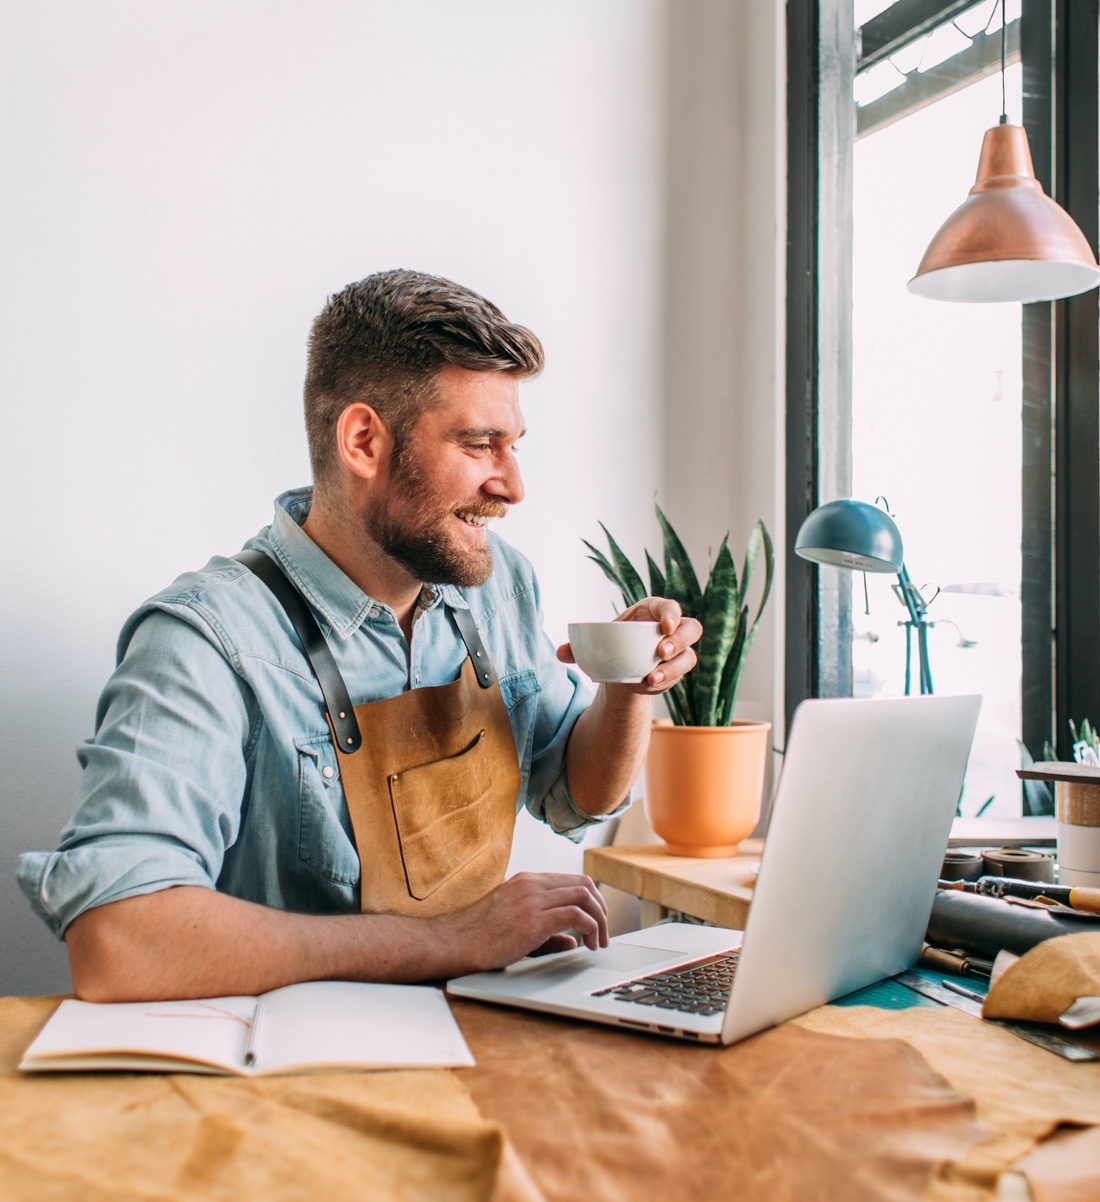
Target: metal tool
(1083,899)
(956,962)
(947,997)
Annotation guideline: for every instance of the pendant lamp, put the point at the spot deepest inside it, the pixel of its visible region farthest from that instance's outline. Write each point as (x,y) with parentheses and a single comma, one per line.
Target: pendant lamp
(1008,241)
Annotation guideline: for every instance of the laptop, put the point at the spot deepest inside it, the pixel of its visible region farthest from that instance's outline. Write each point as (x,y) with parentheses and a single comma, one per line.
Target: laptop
(858,830)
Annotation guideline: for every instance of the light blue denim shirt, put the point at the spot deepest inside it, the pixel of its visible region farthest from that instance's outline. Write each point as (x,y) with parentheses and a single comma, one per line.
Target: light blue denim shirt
(212,764)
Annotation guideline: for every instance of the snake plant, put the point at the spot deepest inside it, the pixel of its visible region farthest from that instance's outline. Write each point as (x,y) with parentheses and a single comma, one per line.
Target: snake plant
(705,696)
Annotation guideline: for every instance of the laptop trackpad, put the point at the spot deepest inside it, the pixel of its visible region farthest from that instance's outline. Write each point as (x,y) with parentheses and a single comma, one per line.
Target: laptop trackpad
(621,958)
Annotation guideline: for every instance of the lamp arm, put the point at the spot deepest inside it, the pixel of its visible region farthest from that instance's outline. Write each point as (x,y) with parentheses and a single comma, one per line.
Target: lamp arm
(914,602)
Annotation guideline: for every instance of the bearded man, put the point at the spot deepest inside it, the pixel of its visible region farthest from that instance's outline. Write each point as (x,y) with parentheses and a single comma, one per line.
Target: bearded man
(308,762)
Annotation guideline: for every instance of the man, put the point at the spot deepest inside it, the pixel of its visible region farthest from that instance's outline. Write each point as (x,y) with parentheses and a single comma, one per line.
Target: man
(308,762)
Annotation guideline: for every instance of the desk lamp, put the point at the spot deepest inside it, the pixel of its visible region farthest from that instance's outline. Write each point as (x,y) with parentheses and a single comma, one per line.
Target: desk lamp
(863,538)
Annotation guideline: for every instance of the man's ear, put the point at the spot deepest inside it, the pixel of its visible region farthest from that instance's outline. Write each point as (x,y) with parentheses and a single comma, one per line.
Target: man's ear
(363,441)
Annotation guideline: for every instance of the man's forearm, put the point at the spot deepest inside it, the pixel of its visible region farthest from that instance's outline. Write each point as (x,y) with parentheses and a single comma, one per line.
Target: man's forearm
(607,748)
(191,942)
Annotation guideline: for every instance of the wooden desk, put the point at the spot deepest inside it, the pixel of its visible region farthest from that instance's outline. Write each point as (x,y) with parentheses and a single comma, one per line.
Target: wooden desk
(717,891)
(579,1112)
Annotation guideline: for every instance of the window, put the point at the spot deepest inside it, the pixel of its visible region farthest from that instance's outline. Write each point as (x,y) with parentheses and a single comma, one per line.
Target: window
(936,426)
(979,425)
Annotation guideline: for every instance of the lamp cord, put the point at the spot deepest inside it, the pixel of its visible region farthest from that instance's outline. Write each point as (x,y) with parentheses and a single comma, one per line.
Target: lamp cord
(1004,33)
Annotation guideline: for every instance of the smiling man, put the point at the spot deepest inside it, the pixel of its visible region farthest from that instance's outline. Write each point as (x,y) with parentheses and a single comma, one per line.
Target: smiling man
(308,762)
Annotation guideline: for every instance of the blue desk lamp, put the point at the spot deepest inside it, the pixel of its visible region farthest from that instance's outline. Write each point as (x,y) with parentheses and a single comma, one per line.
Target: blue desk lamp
(863,538)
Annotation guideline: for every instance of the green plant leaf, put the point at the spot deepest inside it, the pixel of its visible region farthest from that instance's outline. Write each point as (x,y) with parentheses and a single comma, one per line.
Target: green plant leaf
(678,564)
(634,588)
(720,621)
(1038,798)
(677,703)
(731,673)
(759,540)
(656,577)
(607,568)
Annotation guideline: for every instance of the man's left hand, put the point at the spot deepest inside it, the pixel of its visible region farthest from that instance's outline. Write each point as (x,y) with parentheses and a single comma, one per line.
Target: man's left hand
(675,649)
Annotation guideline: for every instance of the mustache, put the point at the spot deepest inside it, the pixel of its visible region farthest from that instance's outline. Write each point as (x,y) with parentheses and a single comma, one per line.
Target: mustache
(482,509)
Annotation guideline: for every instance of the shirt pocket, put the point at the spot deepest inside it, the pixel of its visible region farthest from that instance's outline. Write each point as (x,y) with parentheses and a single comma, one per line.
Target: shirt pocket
(517,688)
(325,842)
(520,692)
(443,817)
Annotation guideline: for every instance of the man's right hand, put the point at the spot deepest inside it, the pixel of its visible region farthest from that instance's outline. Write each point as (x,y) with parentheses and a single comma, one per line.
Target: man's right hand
(529,912)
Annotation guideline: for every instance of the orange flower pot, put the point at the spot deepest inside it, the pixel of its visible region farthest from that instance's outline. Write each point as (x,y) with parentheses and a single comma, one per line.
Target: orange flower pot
(704,785)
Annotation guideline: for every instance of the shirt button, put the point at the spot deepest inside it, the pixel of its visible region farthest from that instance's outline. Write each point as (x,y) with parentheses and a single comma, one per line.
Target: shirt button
(327,772)
(373,612)
(417,679)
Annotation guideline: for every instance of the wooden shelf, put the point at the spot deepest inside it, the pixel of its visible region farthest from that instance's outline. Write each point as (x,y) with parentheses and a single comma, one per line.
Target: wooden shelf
(717,891)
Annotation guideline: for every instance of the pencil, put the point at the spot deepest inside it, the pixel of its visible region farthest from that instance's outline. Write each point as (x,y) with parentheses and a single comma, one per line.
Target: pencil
(253,1036)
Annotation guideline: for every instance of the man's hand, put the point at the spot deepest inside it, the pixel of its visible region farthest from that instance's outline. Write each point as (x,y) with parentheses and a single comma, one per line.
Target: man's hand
(189,942)
(675,650)
(529,912)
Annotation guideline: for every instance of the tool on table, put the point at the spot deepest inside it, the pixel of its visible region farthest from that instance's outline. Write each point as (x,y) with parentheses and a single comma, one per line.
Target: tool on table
(1075,897)
(949,994)
(956,962)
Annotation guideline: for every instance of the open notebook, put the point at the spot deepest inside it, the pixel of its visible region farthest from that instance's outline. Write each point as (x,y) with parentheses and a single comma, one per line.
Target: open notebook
(319,1025)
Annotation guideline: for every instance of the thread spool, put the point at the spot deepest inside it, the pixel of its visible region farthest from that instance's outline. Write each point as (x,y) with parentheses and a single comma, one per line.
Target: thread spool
(1019,863)
(961,866)
(1077,810)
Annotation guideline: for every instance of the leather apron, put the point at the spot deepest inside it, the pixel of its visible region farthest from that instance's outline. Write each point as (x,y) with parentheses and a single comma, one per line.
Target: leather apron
(430,776)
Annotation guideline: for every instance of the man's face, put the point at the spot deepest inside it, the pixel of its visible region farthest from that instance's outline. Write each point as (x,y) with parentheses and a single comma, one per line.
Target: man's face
(457,471)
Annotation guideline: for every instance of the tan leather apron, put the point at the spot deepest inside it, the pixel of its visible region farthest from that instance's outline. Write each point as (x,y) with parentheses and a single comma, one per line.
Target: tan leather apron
(430,776)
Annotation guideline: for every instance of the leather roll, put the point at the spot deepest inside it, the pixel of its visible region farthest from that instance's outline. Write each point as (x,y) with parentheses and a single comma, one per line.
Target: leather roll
(962,866)
(1019,863)
(984,926)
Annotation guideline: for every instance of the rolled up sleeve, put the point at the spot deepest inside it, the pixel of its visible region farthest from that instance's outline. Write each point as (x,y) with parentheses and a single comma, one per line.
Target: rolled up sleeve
(563,697)
(164,775)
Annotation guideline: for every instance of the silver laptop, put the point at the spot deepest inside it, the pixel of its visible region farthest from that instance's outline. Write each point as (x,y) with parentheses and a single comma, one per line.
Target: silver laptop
(858,830)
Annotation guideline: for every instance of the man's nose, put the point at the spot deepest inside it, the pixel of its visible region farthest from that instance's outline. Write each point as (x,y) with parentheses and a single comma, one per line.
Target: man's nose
(507,484)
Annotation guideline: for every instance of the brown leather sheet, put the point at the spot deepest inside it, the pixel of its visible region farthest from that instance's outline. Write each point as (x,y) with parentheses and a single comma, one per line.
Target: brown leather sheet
(800,1112)
(142,1137)
(1066,1168)
(791,1114)
(1023,1093)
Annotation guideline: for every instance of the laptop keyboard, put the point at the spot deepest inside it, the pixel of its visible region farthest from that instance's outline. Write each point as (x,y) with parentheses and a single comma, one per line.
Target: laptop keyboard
(700,988)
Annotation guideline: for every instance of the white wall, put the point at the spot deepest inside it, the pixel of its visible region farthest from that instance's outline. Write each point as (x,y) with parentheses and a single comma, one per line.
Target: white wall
(184,184)
(725,297)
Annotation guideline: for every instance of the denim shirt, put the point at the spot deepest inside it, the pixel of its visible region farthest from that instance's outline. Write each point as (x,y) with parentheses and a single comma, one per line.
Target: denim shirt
(212,763)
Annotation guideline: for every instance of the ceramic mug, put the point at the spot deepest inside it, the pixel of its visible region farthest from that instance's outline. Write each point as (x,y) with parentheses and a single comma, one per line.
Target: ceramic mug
(615,652)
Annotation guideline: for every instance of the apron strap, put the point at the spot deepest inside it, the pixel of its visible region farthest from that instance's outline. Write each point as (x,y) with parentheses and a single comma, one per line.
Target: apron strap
(341,713)
(479,657)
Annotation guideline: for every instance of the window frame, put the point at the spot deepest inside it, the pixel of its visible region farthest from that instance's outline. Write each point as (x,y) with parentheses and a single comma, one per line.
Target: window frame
(1060,565)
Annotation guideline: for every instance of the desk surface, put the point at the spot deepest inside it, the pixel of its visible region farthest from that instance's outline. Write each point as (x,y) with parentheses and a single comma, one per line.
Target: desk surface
(718,891)
(588,1112)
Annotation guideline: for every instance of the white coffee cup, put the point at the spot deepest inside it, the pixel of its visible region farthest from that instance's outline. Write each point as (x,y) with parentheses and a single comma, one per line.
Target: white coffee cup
(615,652)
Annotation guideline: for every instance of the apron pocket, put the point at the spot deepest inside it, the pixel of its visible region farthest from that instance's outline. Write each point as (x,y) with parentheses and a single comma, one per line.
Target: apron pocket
(442,815)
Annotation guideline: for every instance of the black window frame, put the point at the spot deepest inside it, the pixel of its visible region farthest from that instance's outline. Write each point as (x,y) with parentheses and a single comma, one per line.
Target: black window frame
(1060,569)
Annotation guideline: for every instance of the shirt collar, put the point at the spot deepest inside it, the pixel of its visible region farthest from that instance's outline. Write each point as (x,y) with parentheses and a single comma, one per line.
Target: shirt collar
(341,602)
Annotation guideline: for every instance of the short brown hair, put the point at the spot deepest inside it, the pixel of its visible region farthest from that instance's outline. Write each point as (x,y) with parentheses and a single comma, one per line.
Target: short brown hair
(382,341)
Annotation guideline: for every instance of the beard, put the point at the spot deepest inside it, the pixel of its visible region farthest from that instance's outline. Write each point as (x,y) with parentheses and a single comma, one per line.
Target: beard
(420,539)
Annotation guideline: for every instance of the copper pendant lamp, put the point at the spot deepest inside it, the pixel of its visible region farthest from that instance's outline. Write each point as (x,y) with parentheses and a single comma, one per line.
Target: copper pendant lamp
(1008,241)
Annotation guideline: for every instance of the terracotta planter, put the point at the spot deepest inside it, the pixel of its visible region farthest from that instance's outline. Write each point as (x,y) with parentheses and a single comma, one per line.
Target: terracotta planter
(704,785)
